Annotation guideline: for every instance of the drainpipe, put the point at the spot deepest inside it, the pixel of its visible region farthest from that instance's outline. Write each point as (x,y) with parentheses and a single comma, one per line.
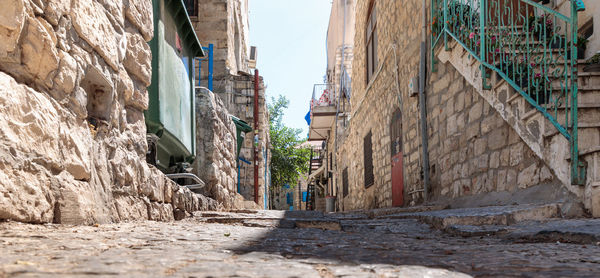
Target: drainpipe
(423,105)
(255,143)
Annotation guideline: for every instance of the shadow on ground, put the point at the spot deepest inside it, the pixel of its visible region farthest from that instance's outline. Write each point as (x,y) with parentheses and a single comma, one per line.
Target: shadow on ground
(354,239)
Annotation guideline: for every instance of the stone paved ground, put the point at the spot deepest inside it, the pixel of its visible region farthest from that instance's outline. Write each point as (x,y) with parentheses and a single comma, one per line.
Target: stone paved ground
(262,245)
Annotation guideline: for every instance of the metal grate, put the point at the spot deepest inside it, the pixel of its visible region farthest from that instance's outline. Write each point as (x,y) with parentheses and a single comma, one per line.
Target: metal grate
(368,159)
(191,7)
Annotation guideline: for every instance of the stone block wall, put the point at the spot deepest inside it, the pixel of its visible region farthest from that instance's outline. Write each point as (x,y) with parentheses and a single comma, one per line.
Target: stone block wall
(471,148)
(223,23)
(216,149)
(73,78)
(373,104)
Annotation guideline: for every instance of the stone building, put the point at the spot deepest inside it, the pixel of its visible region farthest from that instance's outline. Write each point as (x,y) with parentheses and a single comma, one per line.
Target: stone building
(224,23)
(73,78)
(485,145)
(331,101)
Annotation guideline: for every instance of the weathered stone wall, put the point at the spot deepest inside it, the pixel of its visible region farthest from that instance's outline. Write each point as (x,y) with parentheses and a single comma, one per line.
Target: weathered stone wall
(216,149)
(73,78)
(471,149)
(223,23)
(373,104)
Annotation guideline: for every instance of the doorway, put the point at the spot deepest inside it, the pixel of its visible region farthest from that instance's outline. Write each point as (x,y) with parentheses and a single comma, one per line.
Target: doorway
(397,159)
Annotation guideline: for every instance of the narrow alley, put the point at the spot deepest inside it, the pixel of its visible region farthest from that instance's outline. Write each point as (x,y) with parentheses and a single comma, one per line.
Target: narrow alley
(289,244)
(314,138)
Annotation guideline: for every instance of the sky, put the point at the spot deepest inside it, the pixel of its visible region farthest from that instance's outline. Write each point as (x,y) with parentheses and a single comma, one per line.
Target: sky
(290,37)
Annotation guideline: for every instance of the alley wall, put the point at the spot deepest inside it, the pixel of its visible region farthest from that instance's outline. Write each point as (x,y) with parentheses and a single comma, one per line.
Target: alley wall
(472,150)
(73,78)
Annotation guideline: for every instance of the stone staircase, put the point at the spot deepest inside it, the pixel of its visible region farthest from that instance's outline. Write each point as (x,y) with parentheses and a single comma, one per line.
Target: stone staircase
(538,132)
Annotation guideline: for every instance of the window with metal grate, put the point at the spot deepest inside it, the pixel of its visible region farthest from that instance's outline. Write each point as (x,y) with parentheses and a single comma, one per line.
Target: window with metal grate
(368,160)
(371,35)
(192,7)
(345,182)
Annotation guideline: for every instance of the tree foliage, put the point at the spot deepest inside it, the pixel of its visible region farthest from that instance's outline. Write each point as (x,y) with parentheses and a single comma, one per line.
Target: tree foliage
(288,159)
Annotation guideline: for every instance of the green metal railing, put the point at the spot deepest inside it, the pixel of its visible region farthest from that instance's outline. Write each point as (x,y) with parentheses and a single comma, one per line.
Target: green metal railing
(531,46)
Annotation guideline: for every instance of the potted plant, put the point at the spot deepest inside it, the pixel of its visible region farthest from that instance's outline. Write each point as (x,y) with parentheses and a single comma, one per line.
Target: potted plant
(537,89)
(581,47)
(593,64)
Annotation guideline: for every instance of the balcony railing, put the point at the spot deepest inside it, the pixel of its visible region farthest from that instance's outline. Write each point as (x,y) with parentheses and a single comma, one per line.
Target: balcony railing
(323,95)
(532,47)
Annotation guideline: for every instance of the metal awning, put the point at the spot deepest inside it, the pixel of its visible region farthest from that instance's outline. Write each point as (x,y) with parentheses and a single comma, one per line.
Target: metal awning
(323,118)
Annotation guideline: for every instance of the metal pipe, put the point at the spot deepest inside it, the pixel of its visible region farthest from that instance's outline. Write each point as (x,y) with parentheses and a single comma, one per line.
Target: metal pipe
(255,147)
(210,66)
(423,105)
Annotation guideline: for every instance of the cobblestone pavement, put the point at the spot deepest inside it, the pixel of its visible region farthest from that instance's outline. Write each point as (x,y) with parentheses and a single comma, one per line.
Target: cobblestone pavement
(262,245)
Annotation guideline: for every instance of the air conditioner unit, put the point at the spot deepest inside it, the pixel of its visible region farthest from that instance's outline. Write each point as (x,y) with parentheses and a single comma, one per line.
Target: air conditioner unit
(252,59)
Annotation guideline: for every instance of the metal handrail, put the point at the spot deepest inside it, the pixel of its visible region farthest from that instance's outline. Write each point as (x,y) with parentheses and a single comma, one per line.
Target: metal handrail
(532,47)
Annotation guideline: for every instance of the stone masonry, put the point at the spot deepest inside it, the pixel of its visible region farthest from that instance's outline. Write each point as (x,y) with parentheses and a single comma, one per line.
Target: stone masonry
(73,78)
(216,149)
(472,151)
(224,23)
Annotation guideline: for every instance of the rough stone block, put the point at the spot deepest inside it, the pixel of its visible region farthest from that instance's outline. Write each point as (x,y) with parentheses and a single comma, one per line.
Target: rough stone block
(138,58)
(139,12)
(498,138)
(91,23)
(516,154)
(529,176)
(55,9)
(475,112)
(12,20)
(39,53)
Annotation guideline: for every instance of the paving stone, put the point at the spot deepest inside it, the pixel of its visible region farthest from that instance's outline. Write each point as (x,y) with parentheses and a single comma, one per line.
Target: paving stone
(365,247)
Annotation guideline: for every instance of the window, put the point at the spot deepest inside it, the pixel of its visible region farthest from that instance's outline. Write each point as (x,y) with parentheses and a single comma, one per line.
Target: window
(371,38)
(368,160)
(192,7)
(345,182)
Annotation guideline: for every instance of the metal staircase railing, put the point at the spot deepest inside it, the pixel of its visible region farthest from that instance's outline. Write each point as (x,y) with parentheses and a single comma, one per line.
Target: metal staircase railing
(531,46)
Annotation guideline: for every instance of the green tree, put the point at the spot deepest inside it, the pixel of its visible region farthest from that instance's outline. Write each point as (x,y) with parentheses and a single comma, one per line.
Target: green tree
(288,159)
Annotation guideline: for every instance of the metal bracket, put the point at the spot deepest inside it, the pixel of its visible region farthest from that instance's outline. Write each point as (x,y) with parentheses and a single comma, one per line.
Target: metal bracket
(579,176)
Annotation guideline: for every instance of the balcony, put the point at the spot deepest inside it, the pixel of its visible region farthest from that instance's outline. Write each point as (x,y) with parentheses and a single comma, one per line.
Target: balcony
(322,112)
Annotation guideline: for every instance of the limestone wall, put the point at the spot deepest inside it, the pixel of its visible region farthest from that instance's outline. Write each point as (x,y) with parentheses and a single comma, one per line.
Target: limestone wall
(73,78)
(224,23)
(216,149)
(472,150)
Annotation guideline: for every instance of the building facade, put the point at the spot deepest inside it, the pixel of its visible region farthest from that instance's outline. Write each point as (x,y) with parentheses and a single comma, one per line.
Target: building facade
(463,143)
(330,103)
(224,24)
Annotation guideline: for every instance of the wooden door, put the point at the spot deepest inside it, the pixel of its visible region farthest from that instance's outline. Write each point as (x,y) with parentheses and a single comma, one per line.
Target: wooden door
(397,159)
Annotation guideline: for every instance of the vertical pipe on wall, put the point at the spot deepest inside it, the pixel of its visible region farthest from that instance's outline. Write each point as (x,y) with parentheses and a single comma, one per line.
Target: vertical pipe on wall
(255,143)
(423,106)
(210,66)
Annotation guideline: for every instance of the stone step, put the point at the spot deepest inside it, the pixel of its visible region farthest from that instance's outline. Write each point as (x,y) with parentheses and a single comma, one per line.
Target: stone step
(493,215)
(580,231)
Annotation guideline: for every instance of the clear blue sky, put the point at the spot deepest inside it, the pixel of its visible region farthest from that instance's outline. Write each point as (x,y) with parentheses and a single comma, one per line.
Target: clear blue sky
(290,36)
